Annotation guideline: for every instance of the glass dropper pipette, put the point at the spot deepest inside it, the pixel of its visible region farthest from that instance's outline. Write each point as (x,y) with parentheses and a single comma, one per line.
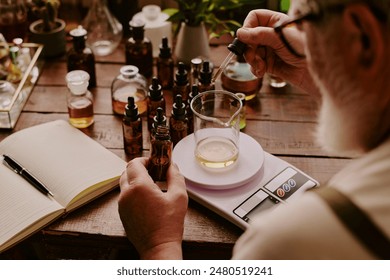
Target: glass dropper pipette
(236,48)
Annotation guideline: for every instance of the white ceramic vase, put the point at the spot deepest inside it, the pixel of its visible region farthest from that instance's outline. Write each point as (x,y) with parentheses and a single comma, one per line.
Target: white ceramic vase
(192,42)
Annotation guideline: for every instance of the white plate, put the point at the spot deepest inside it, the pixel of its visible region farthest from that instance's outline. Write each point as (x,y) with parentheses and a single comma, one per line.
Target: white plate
(248,164)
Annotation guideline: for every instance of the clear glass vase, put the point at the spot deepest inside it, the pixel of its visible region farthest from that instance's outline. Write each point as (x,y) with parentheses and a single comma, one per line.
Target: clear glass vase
(104,30)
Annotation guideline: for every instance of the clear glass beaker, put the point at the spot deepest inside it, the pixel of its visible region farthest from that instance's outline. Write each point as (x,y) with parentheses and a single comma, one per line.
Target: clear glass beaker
(216,128)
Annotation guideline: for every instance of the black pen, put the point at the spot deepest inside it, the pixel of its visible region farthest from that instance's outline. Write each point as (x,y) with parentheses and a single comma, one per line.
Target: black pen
(15,166)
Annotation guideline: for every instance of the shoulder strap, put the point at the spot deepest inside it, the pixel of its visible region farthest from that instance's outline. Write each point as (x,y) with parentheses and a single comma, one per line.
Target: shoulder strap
(357,222)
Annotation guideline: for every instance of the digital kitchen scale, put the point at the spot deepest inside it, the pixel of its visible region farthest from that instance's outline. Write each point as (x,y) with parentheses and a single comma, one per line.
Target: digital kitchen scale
(257,181)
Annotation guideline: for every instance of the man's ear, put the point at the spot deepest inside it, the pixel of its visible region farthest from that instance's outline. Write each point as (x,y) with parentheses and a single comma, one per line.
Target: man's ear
(366,36)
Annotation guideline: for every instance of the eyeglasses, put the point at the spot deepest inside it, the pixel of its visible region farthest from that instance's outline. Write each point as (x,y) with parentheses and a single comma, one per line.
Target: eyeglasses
(315,14)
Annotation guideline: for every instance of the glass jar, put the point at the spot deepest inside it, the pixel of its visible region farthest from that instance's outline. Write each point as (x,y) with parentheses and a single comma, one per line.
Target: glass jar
(237,77)
(80,100)
(129,83)
(104,30)
(7,91)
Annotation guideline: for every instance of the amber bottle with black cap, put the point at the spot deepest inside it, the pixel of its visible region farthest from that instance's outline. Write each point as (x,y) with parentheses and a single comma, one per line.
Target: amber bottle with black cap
(160,154)
(165,65)
(155,99)
(80,56)
(178,122)
(132,128)
(159,119)
(205,77)
(139,50)
(190,115)
(182,85)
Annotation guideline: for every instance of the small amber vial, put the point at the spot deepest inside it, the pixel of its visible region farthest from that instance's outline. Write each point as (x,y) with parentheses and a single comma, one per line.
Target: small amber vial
(160,154)
(178,122)
(80,101)
(132,128)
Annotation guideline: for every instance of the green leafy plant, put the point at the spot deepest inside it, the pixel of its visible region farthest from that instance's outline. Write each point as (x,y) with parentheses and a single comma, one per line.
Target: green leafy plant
(47,10)
(213,13)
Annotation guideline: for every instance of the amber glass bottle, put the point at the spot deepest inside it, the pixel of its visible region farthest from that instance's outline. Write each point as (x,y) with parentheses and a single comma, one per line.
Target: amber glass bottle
(205,77)
(206,83)
(139,50)
(182,85)
(155,99)
(81,57)
(178,122)
(160,154)
(190,115)
(159,119)
(132,128)
(165,65)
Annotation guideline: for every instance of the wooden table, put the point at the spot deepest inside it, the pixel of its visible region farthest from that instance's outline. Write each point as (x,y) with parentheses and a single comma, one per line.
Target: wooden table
(282,121)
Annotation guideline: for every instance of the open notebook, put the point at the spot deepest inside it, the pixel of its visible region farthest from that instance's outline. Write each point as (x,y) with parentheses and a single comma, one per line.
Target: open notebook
(74,167)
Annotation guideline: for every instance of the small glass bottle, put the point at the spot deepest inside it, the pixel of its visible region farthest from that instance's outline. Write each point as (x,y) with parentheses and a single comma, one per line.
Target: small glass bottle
(160,154)
(24,57)
(205,77)
(178,122)
(190,115)
(139,50)
(15,74)
(132,128)
(81,57)
(104,30)
(165,65)
(159,119)
(182,85)
(155,99)
(128,83)
(80,104)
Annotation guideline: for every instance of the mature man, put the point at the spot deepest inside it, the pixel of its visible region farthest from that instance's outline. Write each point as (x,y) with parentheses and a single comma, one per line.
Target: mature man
(339,50)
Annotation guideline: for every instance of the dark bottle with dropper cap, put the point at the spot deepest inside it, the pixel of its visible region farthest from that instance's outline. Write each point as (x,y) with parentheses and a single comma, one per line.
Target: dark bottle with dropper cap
(81,57)
(159,119)
(182,85)
(205,77)
(190,115)
(236,48)
(178,122)
(160,154)
(132,128)
(155,100)
(206,84)
(165,65)
(139,51)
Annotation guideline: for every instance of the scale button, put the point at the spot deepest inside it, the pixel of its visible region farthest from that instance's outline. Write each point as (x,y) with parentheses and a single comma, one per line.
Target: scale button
(286,187)
(280,192)
(292,182)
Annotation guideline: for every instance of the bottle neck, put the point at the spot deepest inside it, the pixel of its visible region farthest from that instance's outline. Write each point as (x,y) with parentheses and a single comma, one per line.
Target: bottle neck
(79,44)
